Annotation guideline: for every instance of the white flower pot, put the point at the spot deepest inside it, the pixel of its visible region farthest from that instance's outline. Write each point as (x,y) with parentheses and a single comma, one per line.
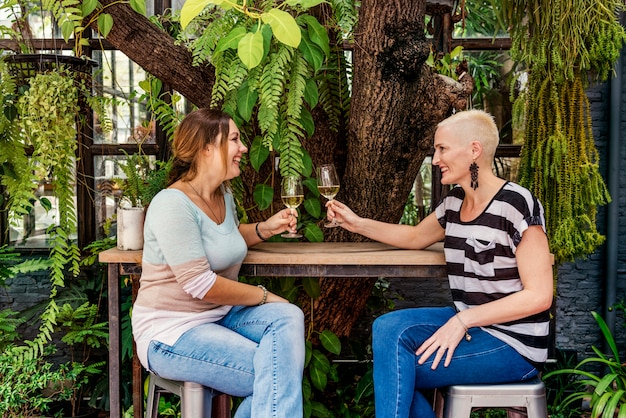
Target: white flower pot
(130,228)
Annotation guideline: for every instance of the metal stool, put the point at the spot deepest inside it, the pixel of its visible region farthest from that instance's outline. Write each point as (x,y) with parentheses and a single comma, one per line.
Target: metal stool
(196,400)
(531,395)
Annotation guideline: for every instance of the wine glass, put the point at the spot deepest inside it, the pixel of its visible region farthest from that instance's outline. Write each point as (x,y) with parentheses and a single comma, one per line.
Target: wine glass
(328,186)
(291,195)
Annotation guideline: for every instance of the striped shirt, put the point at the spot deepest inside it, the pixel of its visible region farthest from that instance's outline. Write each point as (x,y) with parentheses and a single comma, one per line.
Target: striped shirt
(480,256)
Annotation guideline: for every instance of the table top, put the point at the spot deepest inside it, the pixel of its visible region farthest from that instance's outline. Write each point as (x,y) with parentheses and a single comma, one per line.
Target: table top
(317,253)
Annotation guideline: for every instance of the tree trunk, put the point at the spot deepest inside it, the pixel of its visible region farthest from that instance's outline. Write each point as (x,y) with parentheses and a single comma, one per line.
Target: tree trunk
(396,103)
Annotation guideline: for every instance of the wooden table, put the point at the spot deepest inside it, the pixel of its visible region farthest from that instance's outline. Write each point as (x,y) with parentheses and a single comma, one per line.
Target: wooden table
(272,259)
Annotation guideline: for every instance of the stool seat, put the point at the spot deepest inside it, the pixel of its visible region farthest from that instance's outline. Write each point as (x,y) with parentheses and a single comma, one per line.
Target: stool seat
(196,400)
(531,395)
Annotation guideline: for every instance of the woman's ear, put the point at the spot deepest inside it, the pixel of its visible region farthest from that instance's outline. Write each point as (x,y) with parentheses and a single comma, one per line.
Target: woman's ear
(477,149)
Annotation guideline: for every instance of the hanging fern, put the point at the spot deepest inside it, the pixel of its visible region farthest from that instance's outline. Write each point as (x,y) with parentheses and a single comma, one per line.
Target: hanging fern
(563,44)
(16,174)
(273,66)
(334,90)
(271,90)
(346,15)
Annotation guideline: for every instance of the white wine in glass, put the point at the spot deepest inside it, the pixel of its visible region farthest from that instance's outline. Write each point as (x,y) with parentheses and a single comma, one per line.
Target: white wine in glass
(328,185)
(292,196)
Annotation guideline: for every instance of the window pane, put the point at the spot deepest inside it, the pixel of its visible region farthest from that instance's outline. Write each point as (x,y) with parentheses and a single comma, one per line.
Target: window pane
(30,230)
(117,78)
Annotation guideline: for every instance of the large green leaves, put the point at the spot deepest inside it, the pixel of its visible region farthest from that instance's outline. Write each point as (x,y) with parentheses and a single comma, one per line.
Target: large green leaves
(192,8)
(284,27)
(250,49)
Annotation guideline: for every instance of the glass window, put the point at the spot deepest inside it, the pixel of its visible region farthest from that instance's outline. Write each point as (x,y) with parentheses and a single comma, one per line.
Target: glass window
(117,79)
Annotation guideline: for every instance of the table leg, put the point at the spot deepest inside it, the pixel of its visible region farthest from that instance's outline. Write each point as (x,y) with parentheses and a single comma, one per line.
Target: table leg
(115,352)
(137,367)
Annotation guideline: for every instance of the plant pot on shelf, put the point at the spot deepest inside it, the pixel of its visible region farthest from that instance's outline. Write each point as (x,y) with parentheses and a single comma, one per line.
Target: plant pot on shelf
(130,228)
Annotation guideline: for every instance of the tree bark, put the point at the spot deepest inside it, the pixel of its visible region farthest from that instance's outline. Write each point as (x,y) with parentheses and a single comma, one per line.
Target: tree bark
(396,103)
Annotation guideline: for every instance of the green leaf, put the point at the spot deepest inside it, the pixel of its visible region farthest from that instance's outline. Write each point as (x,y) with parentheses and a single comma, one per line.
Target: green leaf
(311,52)
(306,119)
(607,335)
(250,49)
(318,377)
(319,410)
(192,8)
(456,52)
(311,184)
(311,93)
(306,4)
(88,6)
(10,112)
(45,203)
(263,196)
(313,233)
(307,163)
(365,387)
(258,153)
(320,361)
(231,40)
(67,29)
(105,23)
(284,27)
(139,6)
(330,342)
(613,402)
(246,99)
(313,207)
(145,85)
(317,33)
(312,287)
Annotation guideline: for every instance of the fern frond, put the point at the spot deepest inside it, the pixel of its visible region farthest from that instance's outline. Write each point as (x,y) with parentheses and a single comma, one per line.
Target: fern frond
(346,16)
(334,92)
(222,62)
(215,25)
(290,147)
(271,88)
(300,72)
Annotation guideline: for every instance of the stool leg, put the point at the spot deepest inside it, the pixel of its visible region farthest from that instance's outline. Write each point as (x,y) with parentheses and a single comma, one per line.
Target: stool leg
(221,406)
(152,405)
(196,401)
(457,408)
(537,408)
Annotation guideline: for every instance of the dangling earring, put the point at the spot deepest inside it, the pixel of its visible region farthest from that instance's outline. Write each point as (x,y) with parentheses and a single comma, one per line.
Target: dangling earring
(473,168)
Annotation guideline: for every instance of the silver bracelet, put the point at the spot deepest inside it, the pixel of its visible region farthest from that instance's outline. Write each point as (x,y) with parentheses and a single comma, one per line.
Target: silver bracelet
(468,337)
(264,294)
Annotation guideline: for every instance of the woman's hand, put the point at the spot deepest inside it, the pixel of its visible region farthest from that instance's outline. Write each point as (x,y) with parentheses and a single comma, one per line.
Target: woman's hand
(443,342)
(285,220)
(342,214)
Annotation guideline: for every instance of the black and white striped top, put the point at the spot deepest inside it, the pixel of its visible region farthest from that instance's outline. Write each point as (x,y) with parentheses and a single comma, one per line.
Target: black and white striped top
(482,267)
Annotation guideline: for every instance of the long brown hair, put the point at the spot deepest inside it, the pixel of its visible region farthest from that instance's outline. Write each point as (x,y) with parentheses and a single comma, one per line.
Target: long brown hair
(197,130)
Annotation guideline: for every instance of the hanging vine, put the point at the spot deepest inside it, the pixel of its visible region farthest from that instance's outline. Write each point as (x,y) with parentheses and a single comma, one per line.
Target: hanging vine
(563,44)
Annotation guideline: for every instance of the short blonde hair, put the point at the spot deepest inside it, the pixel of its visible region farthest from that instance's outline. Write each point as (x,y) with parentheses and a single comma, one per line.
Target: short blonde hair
(475,125)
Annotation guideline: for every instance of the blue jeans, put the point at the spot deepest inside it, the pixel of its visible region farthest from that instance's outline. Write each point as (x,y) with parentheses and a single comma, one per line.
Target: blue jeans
(254,352)
(399,380)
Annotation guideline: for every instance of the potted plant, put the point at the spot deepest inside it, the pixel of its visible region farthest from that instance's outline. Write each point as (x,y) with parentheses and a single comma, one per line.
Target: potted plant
(143,180)
(606,391)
